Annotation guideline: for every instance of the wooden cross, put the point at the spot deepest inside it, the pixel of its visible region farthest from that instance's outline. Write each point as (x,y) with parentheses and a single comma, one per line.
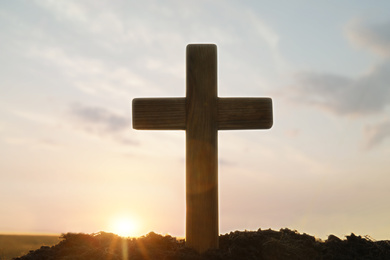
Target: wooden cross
(201,114)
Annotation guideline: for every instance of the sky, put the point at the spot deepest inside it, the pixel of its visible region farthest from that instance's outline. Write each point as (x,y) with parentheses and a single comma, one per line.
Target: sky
(71,162)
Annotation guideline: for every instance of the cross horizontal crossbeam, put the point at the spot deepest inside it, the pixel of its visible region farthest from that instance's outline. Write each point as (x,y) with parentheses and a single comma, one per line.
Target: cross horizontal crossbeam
(232,113)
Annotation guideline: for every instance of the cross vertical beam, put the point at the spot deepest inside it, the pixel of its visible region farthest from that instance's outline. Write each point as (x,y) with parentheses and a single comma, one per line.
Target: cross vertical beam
(202,148)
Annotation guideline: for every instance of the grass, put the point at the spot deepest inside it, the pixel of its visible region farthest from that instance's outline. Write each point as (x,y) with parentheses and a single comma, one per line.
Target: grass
(16,245)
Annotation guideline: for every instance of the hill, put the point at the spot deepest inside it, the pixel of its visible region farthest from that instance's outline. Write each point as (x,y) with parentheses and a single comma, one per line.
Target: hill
(17,245)
(260,244)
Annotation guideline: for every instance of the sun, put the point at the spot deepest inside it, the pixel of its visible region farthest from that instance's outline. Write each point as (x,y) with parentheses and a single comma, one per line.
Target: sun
(124,226)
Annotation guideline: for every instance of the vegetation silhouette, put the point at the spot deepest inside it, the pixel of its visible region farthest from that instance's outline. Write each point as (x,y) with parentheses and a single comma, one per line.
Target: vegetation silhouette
(260,244)
(12,245)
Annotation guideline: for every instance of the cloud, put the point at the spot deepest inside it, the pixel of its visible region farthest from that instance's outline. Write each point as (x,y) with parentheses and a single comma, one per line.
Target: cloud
(101,118)
(375,37)
(101,122)
(105,38)
(376,134)
(363,95)
(115,22)
(342,95)
(270,36)
(92,75)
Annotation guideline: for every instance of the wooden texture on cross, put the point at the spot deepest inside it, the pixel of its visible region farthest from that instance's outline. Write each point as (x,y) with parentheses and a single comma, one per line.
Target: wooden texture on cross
(202,148)
(201,114)
(232,113)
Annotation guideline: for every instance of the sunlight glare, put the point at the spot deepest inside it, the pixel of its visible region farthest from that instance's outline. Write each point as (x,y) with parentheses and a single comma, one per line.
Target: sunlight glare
(124,227)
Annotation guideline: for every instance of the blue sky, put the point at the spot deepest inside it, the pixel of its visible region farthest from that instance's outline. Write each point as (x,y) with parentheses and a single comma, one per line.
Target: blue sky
(70,160)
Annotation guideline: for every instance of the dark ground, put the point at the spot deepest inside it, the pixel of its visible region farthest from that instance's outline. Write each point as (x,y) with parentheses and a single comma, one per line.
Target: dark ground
(261,244)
